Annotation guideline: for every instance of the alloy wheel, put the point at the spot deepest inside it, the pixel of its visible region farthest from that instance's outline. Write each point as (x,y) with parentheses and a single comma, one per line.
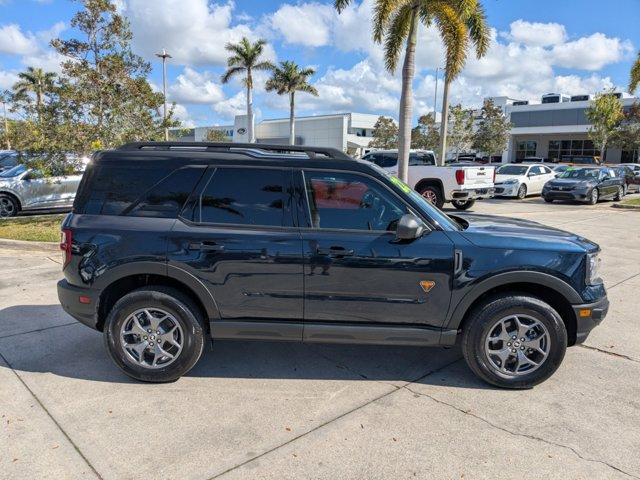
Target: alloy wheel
(517,345)
(430,196)
(7,207)
(152,338)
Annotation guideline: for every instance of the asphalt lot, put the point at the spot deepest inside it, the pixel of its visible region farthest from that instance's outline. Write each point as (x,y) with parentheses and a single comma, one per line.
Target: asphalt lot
(278,410)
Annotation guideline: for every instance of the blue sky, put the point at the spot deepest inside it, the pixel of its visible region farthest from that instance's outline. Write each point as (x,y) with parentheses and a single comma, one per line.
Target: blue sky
(576,46)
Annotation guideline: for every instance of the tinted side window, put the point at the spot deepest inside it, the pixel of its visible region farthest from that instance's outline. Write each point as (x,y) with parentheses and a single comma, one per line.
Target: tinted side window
(245,196)
(347,201)
(384,160)
(166,198)
(421,159)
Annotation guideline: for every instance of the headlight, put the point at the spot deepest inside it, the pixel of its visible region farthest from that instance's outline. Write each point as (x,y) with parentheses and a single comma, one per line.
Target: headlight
(513,181)
(593,269)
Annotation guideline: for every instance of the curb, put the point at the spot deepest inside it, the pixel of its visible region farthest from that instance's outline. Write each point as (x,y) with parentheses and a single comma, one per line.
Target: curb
(30,246)
(626,207)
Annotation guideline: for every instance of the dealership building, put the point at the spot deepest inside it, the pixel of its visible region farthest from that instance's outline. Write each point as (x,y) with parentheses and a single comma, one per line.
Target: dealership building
(348,132)
(555,127)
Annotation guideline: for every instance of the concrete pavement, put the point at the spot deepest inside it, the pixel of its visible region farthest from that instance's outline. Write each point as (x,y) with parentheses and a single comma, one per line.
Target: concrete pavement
(277,410)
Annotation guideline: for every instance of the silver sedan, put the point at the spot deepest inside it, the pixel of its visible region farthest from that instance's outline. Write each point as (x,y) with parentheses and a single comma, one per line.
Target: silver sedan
(24,189)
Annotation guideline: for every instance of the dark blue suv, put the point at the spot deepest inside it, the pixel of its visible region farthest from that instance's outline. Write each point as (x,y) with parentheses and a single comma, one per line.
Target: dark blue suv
(170,243)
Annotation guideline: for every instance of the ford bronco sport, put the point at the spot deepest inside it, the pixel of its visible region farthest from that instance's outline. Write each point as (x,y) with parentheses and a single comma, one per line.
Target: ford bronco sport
(171,243)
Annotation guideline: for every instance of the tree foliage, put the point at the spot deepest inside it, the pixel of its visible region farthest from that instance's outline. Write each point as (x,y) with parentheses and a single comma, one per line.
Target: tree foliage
(460,129)
(634,80)
(627,134)
(492,134)
(605,115)
(385,133)
(426,135)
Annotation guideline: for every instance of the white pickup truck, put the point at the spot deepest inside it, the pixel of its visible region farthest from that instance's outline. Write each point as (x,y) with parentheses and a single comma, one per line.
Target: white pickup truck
(461,185)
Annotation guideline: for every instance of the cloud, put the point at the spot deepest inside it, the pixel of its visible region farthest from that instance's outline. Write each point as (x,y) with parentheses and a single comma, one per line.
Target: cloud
(536,34)
(235,105)
(194,32)
(181,113)
(591,53)
(14,42)
(307,24)
(7,79)
(192,87)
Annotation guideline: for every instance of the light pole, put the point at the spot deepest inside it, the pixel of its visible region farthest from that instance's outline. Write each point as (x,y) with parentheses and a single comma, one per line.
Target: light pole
(164,55)
(435,98)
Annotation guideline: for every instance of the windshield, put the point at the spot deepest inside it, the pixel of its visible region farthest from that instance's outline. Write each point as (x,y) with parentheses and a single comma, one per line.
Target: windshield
(13,172)
(585,173)
(436,215)
(512,170)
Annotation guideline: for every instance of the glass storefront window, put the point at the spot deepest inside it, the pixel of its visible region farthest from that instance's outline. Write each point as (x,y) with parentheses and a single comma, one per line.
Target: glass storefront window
(561,148)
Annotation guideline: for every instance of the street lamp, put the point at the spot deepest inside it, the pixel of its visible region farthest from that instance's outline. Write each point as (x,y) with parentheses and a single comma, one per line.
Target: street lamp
(435,97)
(164,55)
(3,99)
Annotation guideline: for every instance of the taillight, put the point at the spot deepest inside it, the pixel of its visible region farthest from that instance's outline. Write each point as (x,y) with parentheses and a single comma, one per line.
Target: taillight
(66,238)
(460,177)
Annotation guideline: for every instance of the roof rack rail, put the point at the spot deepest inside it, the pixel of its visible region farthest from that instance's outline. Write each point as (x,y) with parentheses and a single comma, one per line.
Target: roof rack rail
(249,149)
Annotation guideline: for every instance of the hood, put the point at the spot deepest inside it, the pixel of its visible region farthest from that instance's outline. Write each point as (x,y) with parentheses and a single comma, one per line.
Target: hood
(571,182)
(504,178)
(491,231)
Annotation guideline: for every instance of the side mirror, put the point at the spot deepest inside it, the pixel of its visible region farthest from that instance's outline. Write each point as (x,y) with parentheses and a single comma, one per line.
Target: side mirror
(410,227)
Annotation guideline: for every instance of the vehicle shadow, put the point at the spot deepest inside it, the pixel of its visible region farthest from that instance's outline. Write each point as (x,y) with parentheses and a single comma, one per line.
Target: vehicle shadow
(72,350)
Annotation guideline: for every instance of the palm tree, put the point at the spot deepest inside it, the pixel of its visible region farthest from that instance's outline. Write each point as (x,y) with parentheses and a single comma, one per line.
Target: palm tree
(245,59)
(396,23)
(289,79)
(34,80)
(634,82)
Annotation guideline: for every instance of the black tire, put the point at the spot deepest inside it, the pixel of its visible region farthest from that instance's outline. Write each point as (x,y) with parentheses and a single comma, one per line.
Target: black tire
(619,195)
(433,195)
(8,206)
(481,323)
(463,204)
(594,196)
(172,301)
(522,192)
(548,200)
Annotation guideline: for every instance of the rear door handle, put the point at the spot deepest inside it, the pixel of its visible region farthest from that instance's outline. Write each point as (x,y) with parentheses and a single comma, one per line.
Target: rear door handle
(209,246)
(335,252)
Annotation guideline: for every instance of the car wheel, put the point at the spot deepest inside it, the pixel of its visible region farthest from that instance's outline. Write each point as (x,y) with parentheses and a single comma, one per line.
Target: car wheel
(514,341)
(548,200)
(463,204)
(432,195)
(620,194)
(522,192)
(155,334)
(593,198)
(625,192)
(8,206)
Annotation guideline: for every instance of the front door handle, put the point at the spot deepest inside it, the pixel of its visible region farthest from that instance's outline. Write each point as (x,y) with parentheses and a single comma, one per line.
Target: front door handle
(335,252)
(209,246)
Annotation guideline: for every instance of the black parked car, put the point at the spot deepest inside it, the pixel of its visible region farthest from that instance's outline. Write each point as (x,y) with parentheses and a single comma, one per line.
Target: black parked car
(172,243)
(630,179)
(584,184)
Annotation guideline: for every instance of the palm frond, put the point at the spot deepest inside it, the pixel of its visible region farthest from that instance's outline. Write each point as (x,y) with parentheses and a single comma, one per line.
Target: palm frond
(231,72)
(308,88)
(634,80)
(479,30)
(266,65)
(396,35)
(340,5)
(382,14)
(454,36)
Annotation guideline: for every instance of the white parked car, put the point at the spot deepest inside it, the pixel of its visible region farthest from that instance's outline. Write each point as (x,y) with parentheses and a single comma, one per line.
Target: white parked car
(459,184)
(519,180)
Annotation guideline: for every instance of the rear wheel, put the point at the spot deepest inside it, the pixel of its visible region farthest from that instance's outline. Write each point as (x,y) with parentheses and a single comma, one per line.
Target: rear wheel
(155,334)
(514,341)
(433,195)
(593,198)
(8,206)
(522,192)
(619,194)
(463,204)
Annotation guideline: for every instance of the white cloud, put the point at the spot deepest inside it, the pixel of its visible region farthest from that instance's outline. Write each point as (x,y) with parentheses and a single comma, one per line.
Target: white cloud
(194,32)
(193,87)
(14,42)
(536,34)
(7,79)
(236,105)
(307,24)
(181,113)
(591,53)
(48,60)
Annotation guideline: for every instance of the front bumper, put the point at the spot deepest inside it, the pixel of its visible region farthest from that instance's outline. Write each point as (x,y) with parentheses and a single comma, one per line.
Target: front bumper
(588,316)
(576,195)
(507,189)
(69,296)
(473,193)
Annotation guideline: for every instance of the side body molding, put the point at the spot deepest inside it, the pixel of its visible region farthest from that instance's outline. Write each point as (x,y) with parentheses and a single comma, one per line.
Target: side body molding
(532,277)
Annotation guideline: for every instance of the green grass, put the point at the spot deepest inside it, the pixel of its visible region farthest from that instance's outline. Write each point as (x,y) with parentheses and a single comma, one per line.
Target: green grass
(37,228)
(632,201)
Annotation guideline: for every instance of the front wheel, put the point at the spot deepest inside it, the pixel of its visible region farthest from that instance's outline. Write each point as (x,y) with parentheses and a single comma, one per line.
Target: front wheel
(154,334)
(522,192)
(463,204)
(548,200)
(514,341)
(593,198)
(619,194)
(8,206)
